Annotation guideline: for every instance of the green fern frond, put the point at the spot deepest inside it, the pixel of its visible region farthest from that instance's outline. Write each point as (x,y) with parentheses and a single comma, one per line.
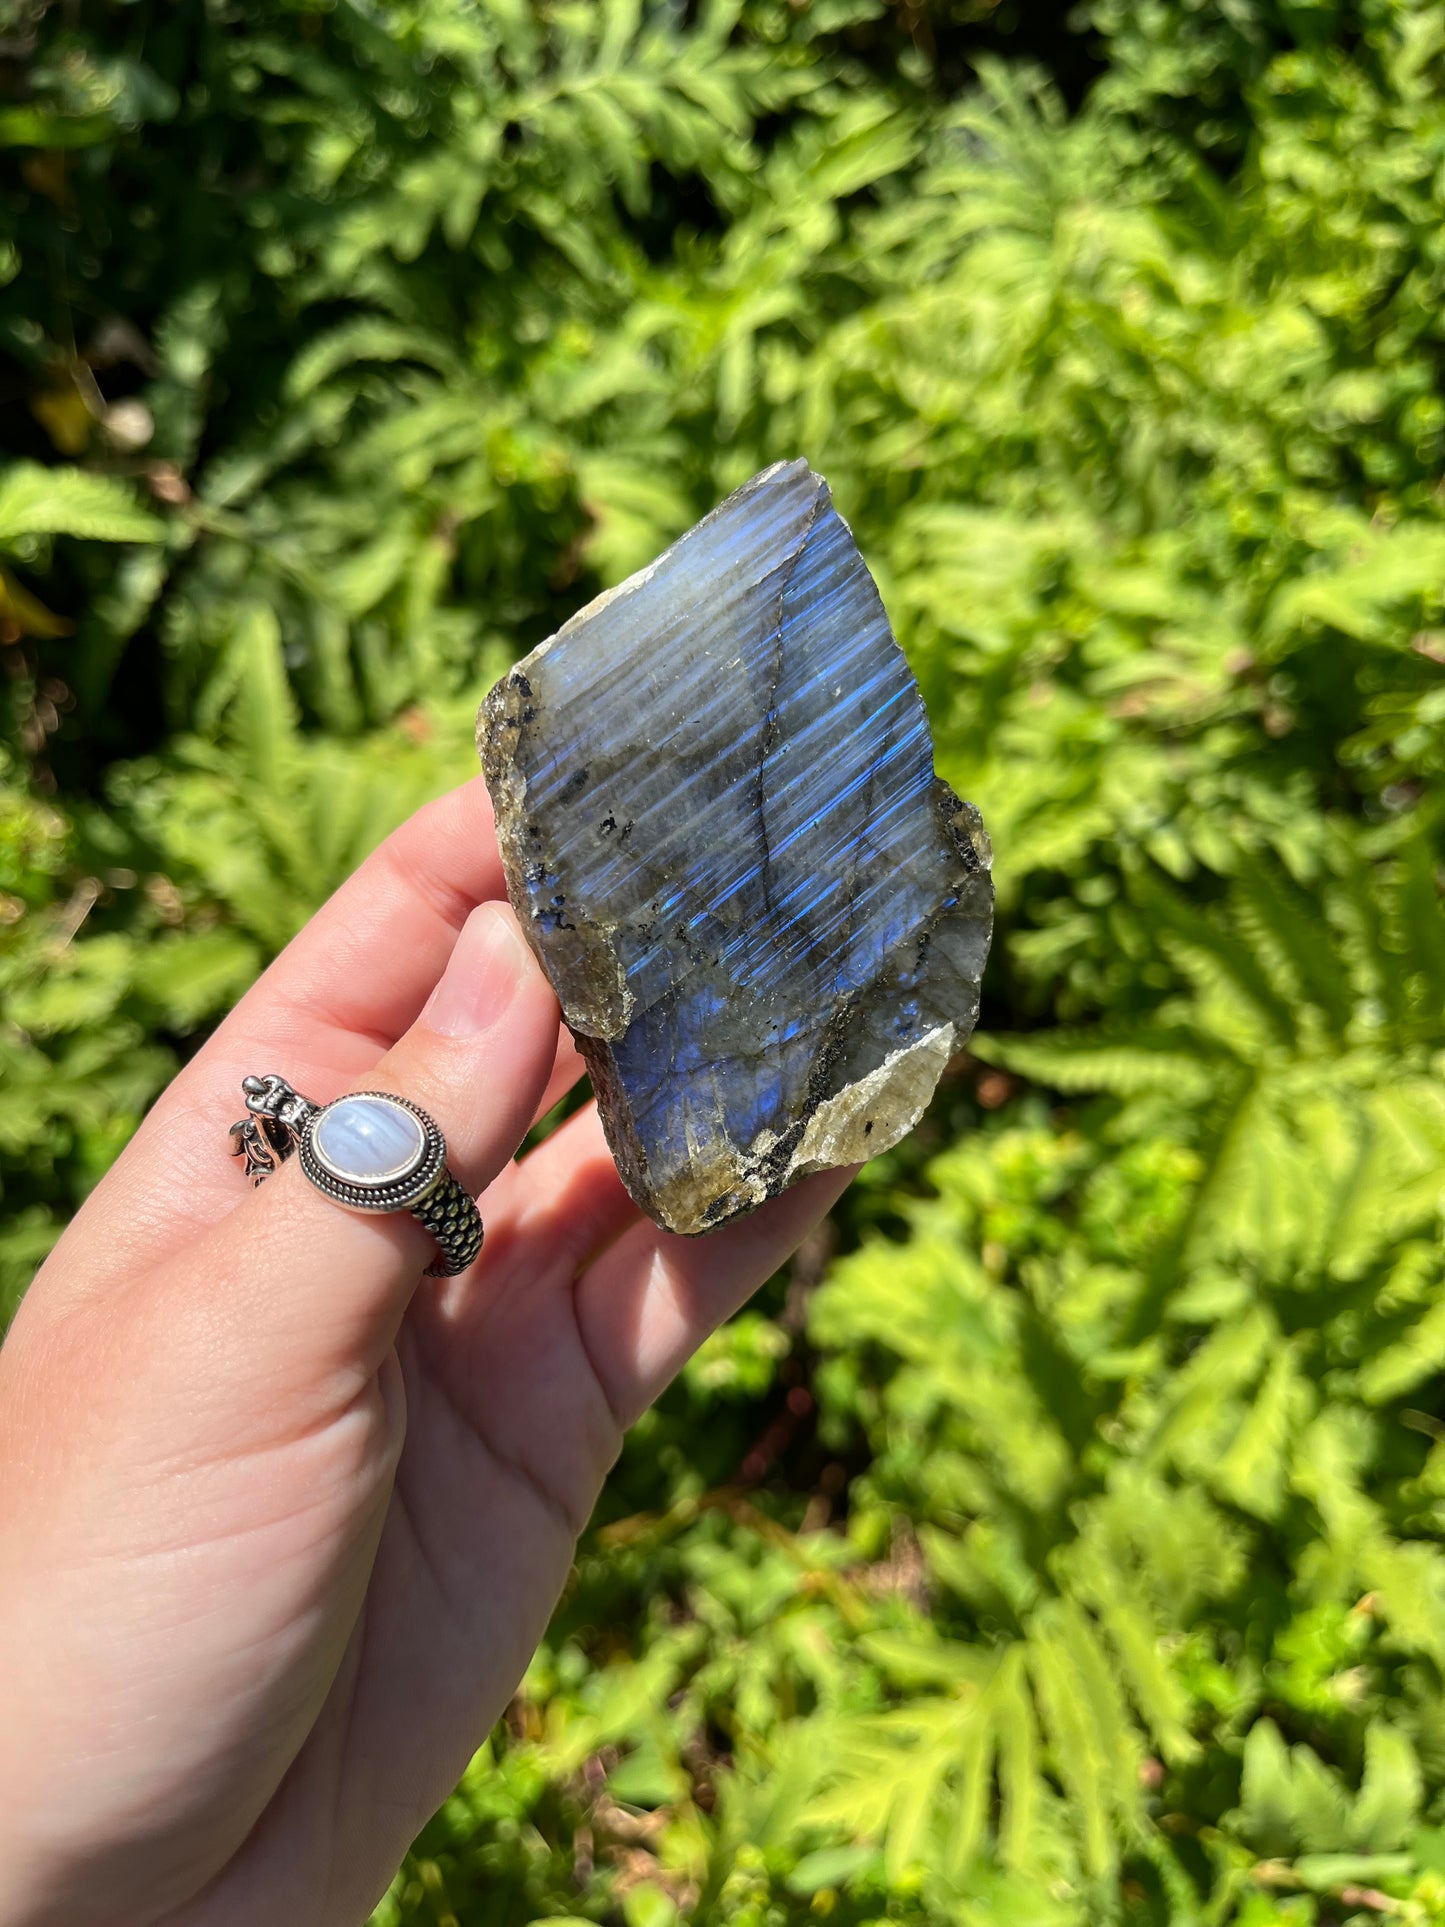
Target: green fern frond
(1252,1013)
(1121,1059)
(1158,1695)
(1085,1729)
(1293,943)
(1253,1471)
(1387,1807)
(1417,935)
(368,338)
(1289,1800)
(70,501)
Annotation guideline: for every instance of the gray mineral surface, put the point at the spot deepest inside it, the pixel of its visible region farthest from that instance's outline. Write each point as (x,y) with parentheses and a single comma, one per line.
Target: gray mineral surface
(764,915)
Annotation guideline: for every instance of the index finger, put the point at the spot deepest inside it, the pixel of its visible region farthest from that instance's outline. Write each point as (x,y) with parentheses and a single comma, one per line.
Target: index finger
(336,999)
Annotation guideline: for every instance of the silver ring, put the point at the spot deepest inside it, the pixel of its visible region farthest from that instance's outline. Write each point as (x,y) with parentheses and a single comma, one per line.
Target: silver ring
(369,1150)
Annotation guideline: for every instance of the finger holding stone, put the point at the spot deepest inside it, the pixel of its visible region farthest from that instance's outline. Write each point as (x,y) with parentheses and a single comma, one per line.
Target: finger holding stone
(650,1300)
(560,1205)
(294,1289)
(340,994)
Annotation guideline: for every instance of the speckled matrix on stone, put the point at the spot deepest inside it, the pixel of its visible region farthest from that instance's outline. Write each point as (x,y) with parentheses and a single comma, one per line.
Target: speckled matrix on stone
(765,917)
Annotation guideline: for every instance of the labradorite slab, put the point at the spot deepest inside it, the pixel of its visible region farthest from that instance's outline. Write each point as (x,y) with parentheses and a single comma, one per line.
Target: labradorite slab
(764,916)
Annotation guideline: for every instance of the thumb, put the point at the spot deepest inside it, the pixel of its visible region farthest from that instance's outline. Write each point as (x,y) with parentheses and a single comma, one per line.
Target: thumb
(293,1290)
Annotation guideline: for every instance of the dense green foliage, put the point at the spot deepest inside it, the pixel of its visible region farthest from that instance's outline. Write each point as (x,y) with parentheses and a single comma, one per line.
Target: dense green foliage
(1063,1541)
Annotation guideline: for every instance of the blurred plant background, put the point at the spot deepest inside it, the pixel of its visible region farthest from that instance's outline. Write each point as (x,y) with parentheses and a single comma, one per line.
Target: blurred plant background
(1062,1540)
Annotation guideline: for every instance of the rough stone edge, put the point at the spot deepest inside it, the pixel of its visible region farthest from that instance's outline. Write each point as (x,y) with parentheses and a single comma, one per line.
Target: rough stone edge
(844,1129)
(608,1013)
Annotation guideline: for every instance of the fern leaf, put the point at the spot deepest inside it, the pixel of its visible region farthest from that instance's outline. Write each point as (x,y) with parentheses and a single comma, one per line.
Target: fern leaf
(1253,1471)
(68,501)
(1289,1799)
(1366,596)
(1162,1701)
(1080,1755)
(620,21)
(1122,1060)
(370,338)
(1410,1579)
(261,709)
(1220,963)
(966,1824)
(1411,1359)
(1292,941)
(1203,1402)
(1419,931)
(1387,1808)
(1018,1757)
(887,1773)
(1266,1790)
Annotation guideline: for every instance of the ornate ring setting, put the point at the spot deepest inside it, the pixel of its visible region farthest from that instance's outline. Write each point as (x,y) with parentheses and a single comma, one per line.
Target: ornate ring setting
(370,1151)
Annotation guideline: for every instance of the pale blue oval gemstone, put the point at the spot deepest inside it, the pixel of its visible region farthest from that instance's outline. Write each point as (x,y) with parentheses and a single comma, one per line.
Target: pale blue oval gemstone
(367,1140)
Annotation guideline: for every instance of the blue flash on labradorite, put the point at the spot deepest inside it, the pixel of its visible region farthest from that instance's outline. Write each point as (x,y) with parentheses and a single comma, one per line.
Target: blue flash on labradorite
(764,915)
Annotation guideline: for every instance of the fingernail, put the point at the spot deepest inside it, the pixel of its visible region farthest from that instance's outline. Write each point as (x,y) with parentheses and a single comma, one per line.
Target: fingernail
(482,974)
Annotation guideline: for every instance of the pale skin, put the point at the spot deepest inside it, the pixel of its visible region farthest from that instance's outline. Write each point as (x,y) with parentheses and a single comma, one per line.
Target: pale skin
(281,1522)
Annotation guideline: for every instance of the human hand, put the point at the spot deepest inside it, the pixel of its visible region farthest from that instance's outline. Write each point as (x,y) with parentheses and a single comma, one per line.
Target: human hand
(281,1523)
